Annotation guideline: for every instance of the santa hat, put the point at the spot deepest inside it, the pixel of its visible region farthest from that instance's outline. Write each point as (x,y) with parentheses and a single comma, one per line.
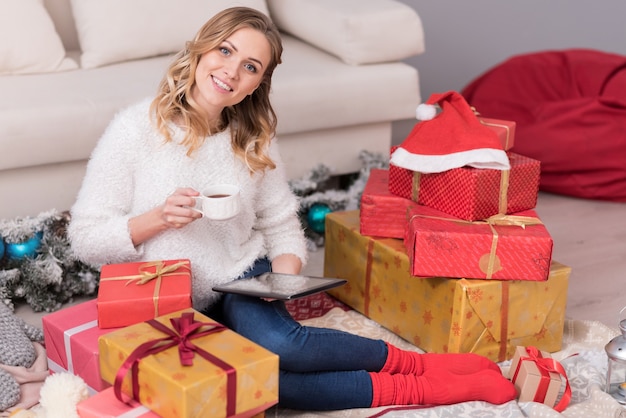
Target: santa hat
(451,139)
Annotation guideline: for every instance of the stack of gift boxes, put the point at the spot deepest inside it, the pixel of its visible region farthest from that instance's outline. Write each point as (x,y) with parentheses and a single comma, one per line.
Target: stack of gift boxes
(455,261)
(144,351)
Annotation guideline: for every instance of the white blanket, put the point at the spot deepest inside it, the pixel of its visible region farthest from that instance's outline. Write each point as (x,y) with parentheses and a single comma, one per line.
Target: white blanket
(586,373)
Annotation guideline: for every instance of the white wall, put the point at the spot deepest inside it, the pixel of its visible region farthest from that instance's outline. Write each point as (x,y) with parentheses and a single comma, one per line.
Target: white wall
(464,38)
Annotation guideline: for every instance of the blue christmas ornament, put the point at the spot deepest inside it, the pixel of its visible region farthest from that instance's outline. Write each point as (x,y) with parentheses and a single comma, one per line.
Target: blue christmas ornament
(316,217)
(1,248)
(28,248)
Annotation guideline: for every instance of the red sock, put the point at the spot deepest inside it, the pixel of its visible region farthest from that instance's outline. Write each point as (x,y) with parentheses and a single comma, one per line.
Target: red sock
(440,387)
(410,362)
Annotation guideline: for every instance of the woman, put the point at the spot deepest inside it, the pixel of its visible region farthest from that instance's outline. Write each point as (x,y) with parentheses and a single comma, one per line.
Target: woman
(212,122)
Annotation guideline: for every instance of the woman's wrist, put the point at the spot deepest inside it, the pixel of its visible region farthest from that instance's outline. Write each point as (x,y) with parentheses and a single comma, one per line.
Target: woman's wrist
(145,226)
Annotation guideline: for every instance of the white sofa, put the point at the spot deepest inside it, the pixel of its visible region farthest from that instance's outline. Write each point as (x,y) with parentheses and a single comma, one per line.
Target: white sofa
(341,85)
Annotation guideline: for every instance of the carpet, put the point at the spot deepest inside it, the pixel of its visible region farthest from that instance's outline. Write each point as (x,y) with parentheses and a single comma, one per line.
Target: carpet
(582,356)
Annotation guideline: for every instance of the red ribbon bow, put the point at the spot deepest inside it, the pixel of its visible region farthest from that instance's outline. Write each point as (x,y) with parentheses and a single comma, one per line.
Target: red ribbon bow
(185,329)
(546,366)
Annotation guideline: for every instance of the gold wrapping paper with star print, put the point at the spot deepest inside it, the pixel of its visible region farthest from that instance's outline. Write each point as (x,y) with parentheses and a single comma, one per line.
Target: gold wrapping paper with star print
(202,389)
(442,315)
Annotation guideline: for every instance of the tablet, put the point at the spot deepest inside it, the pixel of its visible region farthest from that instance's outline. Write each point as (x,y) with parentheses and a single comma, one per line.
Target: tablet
(279,286)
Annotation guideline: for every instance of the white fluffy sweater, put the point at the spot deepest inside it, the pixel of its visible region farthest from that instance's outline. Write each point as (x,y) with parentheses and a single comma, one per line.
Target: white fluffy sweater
(132,170)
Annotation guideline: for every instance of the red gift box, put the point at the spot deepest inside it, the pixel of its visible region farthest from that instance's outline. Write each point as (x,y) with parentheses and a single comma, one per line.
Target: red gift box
(505,247)
(71,338)
(383,214)
(471,193)
(135,292)
(539,378)
(504,128)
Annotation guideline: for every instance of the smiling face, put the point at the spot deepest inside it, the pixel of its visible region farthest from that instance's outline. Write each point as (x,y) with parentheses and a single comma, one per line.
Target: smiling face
(227,74)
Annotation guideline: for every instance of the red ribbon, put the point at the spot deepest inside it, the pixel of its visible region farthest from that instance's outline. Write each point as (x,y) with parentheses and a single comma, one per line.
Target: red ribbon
(546,366)
(185,329)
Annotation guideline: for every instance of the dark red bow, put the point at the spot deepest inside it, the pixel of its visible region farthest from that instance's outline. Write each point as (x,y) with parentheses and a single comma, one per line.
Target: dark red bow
(184,329)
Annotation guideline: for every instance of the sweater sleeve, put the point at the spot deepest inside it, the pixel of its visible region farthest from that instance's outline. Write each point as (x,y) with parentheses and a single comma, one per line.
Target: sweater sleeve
(98,229)
(277,213)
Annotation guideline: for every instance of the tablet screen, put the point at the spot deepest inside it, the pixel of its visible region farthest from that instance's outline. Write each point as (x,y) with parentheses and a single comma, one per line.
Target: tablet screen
(279,286)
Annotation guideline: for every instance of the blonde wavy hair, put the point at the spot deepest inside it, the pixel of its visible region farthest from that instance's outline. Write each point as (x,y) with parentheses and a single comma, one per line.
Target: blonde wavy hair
(252,121)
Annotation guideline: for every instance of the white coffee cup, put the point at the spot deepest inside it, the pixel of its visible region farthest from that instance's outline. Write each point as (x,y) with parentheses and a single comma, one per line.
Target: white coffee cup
(219,202)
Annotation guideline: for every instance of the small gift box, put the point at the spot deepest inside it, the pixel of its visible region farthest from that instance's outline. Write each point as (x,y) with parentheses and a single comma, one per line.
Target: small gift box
(502,247)
(106,405)
(71,337)
(471,193)
(383,214)
(539,378)
(185,365)
(134,292)
(437,314)
(504,128)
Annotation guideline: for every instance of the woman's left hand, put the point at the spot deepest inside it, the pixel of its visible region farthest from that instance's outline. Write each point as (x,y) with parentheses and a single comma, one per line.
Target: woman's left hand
(287,264)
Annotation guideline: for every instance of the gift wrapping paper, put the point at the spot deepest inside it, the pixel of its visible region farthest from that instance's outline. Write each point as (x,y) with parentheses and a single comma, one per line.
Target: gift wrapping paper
(230,375)
(106,405)
(71,337)
(442,315)
(508,247)
(471,193)
(135,292)
(504,128)
(539,378)
(383,214)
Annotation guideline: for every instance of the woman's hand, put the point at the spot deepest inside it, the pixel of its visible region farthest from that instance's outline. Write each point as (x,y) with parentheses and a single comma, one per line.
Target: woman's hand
(287,264)
(176,212)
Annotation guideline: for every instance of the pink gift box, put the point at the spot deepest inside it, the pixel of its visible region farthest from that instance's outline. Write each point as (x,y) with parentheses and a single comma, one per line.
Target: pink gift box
(71,337)
(106,405)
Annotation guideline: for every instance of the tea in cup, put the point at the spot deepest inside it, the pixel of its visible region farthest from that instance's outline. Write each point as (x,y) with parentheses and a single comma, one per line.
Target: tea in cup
(219,202)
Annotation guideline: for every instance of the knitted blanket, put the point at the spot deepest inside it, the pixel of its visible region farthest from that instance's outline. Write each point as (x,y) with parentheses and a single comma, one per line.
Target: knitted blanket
(586,373)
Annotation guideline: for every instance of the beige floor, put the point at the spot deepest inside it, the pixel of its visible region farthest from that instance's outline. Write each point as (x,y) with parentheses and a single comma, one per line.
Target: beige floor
(589,236)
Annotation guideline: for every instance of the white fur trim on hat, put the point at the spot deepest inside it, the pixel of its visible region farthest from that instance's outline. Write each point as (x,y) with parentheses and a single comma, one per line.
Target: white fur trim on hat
(477,158)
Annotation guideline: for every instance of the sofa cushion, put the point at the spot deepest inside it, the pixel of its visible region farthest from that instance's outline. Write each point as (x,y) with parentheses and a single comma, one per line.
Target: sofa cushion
(112,31)
(67,112)
(313,90)
(356,31)
(29,43)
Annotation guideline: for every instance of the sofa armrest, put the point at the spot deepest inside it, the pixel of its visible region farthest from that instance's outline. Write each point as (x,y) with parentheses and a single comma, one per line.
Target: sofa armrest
(356,31)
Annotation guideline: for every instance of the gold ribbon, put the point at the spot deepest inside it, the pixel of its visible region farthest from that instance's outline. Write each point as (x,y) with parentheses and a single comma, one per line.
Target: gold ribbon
(498,125)
(492,221)
(145,276)
(415,186)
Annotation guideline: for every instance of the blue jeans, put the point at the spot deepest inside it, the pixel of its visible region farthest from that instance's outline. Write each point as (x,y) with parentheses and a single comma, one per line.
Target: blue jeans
(320,368)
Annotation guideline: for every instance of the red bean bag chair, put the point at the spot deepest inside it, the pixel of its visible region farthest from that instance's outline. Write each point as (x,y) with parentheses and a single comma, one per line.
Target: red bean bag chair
(570,111)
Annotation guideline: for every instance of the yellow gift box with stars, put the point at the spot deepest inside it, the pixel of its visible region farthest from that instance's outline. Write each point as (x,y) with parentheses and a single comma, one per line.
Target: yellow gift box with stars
(442,315)
(186,365)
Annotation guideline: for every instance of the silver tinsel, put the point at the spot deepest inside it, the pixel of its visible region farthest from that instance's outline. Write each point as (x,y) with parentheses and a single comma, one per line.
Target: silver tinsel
(314,189)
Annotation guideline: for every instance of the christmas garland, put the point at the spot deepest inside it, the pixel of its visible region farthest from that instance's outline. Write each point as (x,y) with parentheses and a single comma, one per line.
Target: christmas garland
(37,265)
(319,194)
